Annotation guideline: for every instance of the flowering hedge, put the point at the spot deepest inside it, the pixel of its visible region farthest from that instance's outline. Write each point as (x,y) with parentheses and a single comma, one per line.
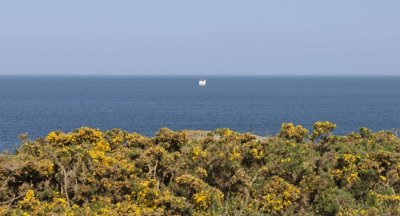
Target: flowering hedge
(93,172)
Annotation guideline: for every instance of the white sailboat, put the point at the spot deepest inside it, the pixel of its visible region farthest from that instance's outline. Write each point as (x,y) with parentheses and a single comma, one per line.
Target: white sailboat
(202,82)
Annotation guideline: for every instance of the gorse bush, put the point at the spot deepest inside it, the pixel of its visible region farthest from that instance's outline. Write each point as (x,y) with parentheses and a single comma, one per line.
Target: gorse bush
(93,172)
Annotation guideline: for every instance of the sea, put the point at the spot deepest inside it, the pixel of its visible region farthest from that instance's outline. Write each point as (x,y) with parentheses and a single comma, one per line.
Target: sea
(37,105)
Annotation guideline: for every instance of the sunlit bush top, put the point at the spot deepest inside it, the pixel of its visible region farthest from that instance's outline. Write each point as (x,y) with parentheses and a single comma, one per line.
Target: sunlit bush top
(222,172)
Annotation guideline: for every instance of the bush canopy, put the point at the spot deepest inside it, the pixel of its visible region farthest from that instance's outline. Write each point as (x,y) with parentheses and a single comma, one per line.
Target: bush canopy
(114,172)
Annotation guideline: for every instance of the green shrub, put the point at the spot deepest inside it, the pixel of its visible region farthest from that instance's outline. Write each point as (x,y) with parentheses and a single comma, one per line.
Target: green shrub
(115,172)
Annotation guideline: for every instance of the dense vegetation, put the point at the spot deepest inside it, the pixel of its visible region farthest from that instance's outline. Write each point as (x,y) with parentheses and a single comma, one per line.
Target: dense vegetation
(90,172)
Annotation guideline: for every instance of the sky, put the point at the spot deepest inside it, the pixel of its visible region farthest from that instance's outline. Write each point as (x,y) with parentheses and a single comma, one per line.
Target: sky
(207,37)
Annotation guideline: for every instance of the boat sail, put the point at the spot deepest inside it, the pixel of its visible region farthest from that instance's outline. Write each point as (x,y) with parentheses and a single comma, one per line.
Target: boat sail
(202,82)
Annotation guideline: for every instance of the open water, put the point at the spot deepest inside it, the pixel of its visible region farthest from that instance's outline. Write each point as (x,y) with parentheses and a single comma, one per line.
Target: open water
(37,105)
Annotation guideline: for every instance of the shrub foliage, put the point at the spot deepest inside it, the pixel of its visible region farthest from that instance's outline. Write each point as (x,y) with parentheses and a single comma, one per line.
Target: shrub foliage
(93,172)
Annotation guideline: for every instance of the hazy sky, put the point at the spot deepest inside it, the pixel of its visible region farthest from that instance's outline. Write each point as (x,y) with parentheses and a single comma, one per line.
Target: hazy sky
(203,37)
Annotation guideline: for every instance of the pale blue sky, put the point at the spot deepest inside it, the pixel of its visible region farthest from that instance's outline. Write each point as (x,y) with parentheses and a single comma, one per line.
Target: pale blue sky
(204,37)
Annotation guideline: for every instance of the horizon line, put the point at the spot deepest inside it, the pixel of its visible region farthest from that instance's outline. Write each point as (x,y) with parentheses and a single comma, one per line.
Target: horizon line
(198,75)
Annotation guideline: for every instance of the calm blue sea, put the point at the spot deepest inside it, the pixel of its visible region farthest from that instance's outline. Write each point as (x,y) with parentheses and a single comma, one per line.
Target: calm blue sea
(37,105)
